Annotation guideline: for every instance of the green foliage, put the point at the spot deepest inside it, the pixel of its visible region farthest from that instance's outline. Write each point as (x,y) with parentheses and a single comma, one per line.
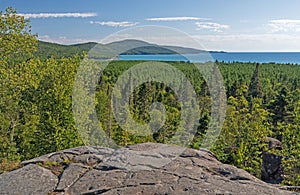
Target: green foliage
(48,50)
(35,104)
(16,45)
(291,147)
(255,88)
(242,140)
(54,103)
(16,41)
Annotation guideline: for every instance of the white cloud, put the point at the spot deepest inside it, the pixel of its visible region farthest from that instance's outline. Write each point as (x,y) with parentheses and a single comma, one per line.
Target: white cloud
(64,40)
(115,24)
(212,26)
(59,15)
(285,25)
(177,19)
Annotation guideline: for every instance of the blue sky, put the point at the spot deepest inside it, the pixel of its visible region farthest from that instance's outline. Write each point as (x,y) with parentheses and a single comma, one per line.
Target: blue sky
(231,25)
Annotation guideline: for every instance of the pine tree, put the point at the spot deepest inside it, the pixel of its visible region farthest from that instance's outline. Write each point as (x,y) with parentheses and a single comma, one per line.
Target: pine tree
(255,88)
(241,142)
(291,148)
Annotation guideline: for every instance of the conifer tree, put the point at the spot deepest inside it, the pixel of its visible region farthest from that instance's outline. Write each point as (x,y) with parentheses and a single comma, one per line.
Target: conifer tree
(255,88)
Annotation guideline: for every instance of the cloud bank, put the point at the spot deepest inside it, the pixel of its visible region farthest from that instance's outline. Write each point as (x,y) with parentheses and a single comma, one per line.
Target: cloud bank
(59,15)
(115,24)
(65,40)
(176,19)
(285,25)
(212,26)
(250,42)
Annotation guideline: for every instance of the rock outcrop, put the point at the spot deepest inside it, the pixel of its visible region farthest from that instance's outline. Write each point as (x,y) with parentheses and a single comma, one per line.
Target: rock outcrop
(272,170)
(139,169)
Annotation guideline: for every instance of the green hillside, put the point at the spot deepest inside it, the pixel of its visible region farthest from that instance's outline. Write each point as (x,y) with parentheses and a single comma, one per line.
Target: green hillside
(46,49)
(127,47)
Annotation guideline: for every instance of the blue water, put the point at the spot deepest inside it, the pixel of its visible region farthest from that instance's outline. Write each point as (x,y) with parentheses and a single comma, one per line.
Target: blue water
(260,57)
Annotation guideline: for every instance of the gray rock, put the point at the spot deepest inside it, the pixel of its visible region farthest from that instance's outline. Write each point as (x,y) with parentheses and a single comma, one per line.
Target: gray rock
(31,179)
(272,169)
(274,143)
(88,159)
(136,160)
(71,174)
(139,169)
(80,153)
(40,159)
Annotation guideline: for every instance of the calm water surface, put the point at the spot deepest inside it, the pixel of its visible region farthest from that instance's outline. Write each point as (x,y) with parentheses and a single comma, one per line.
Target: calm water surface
(261,57)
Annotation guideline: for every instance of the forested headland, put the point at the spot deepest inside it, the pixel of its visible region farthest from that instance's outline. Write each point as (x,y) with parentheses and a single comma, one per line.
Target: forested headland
(36,117)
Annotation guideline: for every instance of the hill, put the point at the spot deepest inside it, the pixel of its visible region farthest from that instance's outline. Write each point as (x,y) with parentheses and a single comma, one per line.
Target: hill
(125,47)
(47,49)
(142,47)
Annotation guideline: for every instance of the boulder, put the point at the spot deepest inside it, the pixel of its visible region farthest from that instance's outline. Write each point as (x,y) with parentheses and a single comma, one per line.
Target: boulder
(30,179)
(147,168)
(272,170)
(274,143)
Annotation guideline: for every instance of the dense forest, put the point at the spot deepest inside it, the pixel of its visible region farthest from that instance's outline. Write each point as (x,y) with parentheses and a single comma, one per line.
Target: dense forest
(36,116)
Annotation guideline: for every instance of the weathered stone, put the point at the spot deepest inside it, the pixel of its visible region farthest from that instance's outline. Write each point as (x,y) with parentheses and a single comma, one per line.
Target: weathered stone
(31,179)
(98,181)
(59,157)
(274,143)
(272,170)
(88,159)
(40,159)
(90,150)
(69,154)
(140,169)
(136,160)
(71,174)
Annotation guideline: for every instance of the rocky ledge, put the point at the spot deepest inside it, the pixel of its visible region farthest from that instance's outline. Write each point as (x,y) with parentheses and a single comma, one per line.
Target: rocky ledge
(139,169)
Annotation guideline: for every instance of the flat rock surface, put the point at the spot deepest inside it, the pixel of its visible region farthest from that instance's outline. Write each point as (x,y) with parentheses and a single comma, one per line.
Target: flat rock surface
(139,169)
(30,179)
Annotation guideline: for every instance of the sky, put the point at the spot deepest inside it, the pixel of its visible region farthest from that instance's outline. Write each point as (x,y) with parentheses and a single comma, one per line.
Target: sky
(219,25)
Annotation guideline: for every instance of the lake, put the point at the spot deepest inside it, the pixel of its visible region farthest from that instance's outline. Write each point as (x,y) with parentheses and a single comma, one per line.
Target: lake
(260,57)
